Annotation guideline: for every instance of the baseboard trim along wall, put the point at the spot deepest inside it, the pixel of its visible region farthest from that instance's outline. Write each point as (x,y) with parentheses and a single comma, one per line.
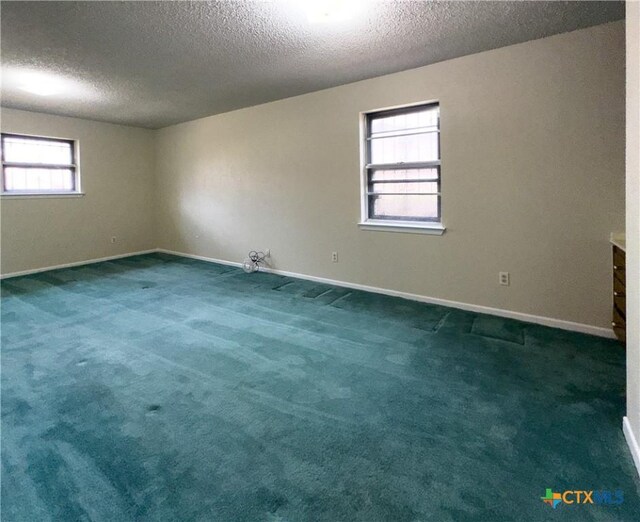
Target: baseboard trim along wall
(76,263)
(632,441)
(537,319)
(545,321)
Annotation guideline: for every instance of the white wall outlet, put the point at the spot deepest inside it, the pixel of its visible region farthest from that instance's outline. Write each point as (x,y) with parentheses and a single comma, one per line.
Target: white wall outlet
(334,257)
(267,252)
(114,239)
(504,279)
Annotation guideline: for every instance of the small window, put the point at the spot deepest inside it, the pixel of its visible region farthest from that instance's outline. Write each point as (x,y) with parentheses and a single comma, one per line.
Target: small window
(32,165)
(401,173)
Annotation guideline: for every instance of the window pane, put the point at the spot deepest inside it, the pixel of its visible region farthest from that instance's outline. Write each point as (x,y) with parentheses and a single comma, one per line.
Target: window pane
(404,188)
(28,150)
(396,137)
(406,208)
(404,174)
(420,118)
(416,147)
(38,180)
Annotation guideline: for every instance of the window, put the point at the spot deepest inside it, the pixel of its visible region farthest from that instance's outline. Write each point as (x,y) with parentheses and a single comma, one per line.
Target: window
(38,166)
(401,171)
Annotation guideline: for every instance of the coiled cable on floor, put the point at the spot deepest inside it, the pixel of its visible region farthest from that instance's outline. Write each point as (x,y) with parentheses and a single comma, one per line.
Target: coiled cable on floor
(252,263)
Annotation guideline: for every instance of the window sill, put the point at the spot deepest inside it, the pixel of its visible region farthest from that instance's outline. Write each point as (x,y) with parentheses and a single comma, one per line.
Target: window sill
(434,229)
(29,195)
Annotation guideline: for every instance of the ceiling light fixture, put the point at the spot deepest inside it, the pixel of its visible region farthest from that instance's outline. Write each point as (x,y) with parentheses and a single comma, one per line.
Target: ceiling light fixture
(40,83)
(51,85)
(327,11)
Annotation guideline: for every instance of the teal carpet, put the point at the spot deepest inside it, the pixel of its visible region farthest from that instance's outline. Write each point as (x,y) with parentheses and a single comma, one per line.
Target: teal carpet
(157,388)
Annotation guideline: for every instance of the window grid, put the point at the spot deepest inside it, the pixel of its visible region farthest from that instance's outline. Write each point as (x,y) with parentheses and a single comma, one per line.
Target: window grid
(34,165)
(402,165)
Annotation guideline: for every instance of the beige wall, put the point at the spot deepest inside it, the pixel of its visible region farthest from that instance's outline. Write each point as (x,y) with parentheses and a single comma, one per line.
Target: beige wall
(633,220)
(117,171)
(532,170)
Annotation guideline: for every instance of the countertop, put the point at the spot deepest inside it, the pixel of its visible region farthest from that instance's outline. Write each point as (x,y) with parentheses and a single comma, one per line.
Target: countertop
(618,239)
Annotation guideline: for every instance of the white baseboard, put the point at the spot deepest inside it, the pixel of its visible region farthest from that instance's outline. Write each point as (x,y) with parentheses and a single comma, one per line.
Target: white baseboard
(546,321)
(632,441)
(537,319)
(209,259)
(75,263)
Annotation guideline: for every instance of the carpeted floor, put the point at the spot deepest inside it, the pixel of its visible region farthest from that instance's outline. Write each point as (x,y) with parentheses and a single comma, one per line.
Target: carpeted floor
(159,388)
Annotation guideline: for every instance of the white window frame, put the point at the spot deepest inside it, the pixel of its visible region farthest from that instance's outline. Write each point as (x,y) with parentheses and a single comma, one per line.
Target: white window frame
(74,167)
(367,223)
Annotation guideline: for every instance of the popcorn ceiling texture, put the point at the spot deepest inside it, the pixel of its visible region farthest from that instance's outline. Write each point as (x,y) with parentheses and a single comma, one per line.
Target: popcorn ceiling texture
(153,64)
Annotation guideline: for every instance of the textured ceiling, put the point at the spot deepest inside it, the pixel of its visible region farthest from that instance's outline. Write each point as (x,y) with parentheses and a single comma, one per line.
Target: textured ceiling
(152,64)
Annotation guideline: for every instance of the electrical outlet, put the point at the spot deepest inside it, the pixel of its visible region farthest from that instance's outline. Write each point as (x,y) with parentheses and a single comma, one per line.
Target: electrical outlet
(334,257)
(504,279)
(113,239)
(267,252)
